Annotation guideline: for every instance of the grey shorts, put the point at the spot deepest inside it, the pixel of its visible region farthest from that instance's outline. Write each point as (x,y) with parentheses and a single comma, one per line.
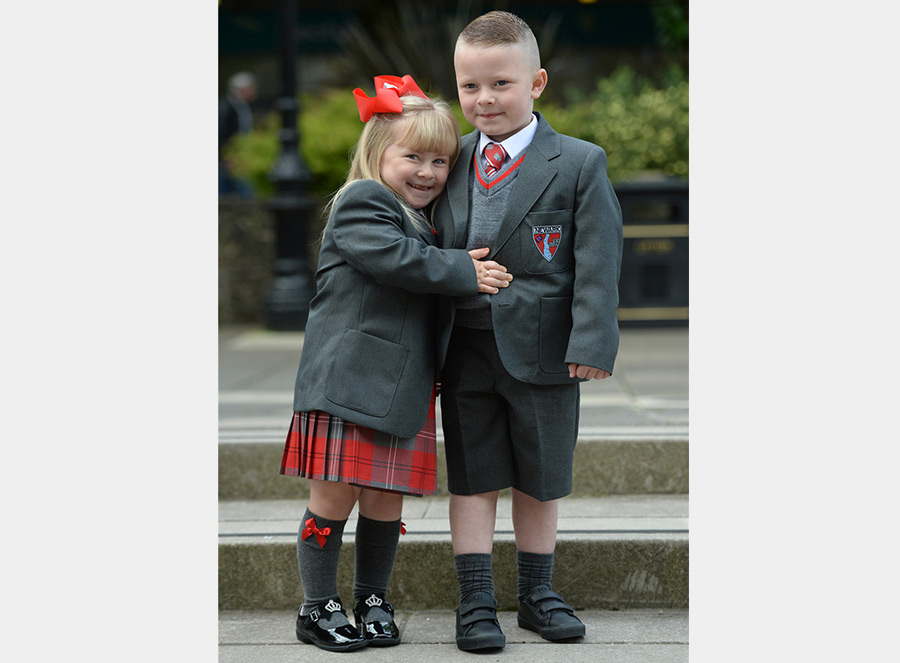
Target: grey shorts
(500,432)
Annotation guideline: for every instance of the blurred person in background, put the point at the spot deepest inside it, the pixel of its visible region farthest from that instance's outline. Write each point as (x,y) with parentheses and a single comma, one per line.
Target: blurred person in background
(235,117)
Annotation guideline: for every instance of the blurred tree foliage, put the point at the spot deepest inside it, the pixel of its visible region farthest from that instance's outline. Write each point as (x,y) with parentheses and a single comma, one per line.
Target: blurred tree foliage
(329,128)
(641,125)
(671,17)
(402,37)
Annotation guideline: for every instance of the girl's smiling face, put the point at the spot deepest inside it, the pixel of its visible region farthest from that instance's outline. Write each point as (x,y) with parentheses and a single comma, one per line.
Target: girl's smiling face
(418,177)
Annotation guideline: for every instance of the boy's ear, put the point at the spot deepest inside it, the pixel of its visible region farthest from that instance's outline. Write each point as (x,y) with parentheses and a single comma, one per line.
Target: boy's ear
(538,83)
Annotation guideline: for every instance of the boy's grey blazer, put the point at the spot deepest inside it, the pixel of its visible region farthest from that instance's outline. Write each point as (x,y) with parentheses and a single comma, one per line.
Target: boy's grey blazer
(369,352)
(556,311)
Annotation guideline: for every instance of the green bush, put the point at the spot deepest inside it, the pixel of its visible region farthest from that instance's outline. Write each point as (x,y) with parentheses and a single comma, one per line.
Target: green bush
(329,128)
(640,125)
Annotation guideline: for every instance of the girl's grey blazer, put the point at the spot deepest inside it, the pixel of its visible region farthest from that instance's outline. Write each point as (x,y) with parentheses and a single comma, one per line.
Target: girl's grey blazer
(369,352)
(561,239)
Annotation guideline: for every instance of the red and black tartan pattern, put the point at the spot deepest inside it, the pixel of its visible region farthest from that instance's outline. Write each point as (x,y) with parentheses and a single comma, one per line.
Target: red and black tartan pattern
(322,446)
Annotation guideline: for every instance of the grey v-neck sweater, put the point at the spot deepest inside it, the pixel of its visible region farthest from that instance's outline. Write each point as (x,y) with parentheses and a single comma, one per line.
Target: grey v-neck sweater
(487,206)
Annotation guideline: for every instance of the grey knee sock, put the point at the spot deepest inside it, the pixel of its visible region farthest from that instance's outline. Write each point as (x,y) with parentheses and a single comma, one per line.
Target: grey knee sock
(376,548)
(318,565)
(475,574)
(534,569)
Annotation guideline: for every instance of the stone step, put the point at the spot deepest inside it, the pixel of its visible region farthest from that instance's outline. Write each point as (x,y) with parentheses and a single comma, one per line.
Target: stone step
(613,552)
(609,465)
(627,636)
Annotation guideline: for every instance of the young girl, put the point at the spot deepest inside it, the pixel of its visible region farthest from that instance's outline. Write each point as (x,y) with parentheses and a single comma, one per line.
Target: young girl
(363,429)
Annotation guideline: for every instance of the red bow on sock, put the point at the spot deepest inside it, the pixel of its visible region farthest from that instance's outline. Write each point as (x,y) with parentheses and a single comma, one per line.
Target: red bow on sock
(312,529)
(388,90)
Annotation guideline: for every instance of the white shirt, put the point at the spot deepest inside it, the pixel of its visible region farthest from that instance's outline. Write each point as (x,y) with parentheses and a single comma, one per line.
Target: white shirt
(516,143)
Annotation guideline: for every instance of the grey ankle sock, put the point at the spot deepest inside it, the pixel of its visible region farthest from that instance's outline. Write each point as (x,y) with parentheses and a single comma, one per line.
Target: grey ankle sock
(475,574)
(317,558)
(376,549)
(534,569)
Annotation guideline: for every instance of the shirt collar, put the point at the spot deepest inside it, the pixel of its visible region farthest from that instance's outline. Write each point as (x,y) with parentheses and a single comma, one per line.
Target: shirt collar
(516,143)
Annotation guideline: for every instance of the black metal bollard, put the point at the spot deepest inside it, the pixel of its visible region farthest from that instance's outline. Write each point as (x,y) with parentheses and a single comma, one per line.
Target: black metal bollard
(287,303)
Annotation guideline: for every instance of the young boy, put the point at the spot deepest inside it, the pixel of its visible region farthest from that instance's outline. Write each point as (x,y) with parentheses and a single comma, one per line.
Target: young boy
(510,393)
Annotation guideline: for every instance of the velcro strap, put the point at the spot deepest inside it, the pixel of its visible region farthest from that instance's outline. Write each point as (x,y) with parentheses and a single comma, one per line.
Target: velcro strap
(480,614)
(546,600)
(478,609)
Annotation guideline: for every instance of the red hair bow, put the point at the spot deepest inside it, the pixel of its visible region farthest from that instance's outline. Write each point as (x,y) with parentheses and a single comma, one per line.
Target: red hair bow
(312,529)
(388,90)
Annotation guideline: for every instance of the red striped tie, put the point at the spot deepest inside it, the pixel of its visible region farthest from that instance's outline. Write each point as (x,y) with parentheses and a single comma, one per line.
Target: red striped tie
(495,156)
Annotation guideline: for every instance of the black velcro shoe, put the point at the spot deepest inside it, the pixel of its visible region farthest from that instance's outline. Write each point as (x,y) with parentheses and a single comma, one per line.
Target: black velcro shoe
(543,611)
(477,626)
(378,633)
(340,638)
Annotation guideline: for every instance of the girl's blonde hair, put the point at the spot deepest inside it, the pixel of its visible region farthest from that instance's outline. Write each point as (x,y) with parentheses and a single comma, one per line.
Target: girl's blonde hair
(425,125)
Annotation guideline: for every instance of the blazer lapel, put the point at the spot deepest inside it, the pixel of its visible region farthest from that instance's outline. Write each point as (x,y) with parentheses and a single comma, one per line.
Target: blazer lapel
(458,192)
(535,174)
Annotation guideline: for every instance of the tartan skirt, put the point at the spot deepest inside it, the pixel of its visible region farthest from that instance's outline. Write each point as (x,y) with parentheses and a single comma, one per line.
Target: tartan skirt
(322,446)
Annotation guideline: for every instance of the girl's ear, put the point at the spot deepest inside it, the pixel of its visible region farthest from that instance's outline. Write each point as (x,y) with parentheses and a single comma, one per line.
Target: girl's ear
(538,83)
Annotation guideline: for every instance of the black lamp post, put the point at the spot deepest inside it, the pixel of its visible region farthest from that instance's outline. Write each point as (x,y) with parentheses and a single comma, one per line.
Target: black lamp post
(287,303)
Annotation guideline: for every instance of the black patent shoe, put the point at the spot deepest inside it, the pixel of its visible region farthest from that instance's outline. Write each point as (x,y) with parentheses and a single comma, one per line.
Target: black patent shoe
(342,638)
(376,632)
(543,611)
(477,626)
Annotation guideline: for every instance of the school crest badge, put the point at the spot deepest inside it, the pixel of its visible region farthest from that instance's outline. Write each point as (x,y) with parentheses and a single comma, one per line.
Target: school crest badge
(546,240)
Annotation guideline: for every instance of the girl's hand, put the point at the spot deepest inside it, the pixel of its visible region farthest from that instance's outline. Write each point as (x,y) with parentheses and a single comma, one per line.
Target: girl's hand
(491,275)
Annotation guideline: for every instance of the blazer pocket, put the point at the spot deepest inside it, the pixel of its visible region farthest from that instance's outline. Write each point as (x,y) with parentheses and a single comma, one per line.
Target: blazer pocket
(553,336)
(365,375)
(547,242)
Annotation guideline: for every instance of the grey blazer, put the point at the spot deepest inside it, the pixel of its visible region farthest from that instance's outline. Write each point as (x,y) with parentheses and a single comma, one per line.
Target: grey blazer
(369,354)
(561,306)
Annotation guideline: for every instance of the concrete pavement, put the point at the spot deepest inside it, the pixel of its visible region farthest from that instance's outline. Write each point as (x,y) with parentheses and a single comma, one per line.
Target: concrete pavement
(646,397)
(633,636)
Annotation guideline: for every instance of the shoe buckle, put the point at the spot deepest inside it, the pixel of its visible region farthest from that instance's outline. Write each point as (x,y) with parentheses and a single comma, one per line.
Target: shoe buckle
(373,600)
(314,614)
(332,606)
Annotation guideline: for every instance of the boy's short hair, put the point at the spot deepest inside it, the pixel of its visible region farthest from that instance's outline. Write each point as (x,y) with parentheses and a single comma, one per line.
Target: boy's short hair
(499,28)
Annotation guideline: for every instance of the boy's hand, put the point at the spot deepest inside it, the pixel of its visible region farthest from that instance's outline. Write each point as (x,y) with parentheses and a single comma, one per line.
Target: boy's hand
(587,372)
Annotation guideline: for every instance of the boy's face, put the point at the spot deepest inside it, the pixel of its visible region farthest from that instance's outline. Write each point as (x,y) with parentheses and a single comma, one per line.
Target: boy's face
(497,87)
